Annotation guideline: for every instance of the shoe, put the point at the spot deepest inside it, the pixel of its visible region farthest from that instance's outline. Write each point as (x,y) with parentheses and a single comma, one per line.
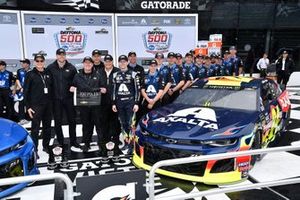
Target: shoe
(76,145)
(116,159)
(105,160)
(85,148)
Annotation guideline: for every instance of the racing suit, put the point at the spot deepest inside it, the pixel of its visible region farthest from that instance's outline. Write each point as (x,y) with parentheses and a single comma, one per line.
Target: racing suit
(6,79)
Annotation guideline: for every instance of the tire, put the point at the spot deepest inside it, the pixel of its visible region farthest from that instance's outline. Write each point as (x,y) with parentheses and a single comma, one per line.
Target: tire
(257,145)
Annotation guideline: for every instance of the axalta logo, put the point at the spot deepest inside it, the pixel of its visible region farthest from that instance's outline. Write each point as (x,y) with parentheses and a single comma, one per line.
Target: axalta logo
(123,90)
(203,117)
(124,192)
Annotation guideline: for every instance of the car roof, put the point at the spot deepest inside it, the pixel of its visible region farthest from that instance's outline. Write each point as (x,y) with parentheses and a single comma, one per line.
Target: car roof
(229,82)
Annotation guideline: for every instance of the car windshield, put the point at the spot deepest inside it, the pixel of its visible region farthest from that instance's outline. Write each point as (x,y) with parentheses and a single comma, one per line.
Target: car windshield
(221,98)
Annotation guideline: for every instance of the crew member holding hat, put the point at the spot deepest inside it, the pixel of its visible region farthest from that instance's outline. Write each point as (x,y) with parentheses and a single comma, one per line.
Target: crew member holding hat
(63,74)
(38,100)
(6,80)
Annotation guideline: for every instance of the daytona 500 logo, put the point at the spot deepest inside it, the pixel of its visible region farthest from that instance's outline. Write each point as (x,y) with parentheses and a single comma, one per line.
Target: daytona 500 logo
(73,41)
(157,41)
(203,117)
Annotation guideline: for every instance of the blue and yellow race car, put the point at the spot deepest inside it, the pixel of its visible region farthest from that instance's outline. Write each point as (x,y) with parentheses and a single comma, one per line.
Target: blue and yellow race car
(17,155)
(214,115)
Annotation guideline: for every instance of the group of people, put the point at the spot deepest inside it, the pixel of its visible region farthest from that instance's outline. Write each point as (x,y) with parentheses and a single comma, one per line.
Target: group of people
(127,91)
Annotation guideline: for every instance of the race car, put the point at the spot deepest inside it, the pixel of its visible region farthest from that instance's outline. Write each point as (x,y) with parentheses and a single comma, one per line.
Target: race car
(215,115)
(17,155)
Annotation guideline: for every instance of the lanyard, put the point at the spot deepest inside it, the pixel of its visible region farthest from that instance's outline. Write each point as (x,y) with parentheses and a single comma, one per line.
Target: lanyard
(43,80)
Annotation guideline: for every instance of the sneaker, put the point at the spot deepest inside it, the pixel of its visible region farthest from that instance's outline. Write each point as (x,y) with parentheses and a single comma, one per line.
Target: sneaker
(76,145)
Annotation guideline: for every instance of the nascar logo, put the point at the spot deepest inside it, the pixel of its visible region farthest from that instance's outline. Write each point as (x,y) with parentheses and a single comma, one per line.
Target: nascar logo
(203,117)
(157,41)
(71,40)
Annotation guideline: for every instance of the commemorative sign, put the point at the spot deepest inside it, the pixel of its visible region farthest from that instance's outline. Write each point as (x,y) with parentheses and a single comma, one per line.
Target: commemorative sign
(157,40)
(82,98)
(72,40)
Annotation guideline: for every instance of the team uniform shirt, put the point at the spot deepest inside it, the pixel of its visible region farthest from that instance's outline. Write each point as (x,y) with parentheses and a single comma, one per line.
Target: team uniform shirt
(202,72)
(165,72)
(152,84)
(176,74)
(21,74)
(6,78)
(236,64)
(212,70)
(227,67)
(126,86)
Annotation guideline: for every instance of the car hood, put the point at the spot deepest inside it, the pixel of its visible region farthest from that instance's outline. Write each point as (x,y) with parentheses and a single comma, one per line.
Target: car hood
(185,122)
(11,134)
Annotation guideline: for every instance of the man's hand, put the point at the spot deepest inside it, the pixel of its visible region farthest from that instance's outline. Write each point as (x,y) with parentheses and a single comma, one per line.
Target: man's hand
(72,89)
(114,108)
(30,113)
(103,90)
(135,108)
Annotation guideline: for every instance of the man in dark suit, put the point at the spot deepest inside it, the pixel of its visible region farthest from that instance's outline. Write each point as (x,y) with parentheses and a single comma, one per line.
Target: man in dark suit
(284,67)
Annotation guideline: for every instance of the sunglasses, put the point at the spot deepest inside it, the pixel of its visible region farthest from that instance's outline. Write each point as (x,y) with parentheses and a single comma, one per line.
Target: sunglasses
(39,61)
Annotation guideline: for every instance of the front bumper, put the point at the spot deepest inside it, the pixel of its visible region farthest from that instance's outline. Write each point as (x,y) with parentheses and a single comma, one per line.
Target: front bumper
(205,172)
(21,162)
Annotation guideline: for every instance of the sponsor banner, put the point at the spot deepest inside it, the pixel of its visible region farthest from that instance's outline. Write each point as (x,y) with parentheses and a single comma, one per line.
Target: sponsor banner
(87,98)
(78,34)
(215,37)
(201,49)
(126,185)
(214,48)
(10,37)
(153,34)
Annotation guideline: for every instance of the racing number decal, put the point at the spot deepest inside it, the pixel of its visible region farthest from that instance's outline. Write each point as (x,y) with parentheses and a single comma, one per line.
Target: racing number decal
(284,101)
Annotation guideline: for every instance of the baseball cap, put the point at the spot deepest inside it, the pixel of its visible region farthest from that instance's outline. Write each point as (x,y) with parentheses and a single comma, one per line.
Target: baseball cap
(188,54)
(178,55)
(153,62)
(60,51)
(39,56)
(123,57)
(87,58)
(213,55)
(159,55)
(131,53)
(96,52)
(199,56)
(285,52)
(226,52)
(232,48)
(108,57)
(2,63)
(25,61)
(171,54)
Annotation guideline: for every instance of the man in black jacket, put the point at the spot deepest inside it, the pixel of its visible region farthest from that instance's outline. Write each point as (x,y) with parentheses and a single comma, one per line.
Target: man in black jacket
(98,64)
(132,65)
(63,74)
(284,68)
(109,121)
(38,100)
(88,80)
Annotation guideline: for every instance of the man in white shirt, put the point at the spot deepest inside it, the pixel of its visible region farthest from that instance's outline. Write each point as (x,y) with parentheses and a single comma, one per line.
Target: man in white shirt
(262,65)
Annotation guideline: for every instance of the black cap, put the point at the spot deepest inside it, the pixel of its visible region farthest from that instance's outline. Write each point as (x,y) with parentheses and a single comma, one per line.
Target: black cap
(60,51)
(87,58)
(153,62)
(199,56)
(25,61)
(214,55)
(123,57)
(285,52)
(171,54)
(96,52)
(108,57)
(232,48)
(131,53)
(188,54)
(39,56)
(178,55)
(226,52)
(2,63)
(159,55)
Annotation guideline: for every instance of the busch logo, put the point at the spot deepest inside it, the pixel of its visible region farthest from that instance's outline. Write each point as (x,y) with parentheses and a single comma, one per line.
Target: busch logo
(203,117)
(157,41)
(71,40)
